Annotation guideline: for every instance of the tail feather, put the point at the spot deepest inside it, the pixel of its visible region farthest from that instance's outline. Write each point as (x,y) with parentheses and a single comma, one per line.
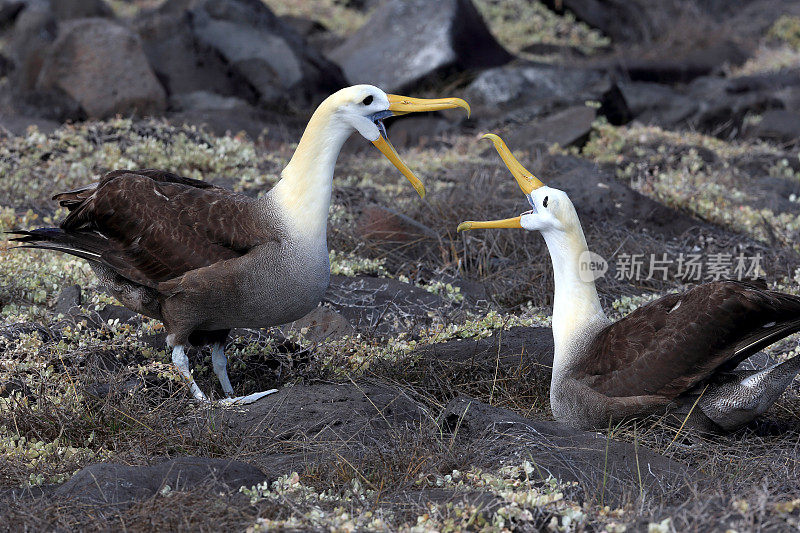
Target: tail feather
(90,246)
(89,256)
(75,197)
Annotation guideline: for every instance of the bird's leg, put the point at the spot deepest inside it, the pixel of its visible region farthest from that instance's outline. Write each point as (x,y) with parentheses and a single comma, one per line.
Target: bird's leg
(181,361)
(244,400)
(220,363)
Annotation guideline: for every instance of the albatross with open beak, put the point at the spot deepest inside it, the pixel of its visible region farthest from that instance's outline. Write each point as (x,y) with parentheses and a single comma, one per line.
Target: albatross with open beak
(676,354)
(203,259)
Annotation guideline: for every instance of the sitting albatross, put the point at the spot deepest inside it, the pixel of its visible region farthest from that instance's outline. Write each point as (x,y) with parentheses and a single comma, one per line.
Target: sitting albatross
(676,354)
(203,259)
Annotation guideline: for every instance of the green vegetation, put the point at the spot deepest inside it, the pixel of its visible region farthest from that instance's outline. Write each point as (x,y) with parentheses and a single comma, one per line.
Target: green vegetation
(786,30)
(36,165)
(518,23)
(698,174)
(79,389)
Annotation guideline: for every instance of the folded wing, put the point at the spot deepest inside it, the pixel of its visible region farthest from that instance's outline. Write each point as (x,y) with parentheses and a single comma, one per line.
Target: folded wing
(151,226)
(674,343)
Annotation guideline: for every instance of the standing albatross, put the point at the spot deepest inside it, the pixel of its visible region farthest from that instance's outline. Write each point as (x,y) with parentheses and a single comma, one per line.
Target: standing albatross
(676,354)
(203,259)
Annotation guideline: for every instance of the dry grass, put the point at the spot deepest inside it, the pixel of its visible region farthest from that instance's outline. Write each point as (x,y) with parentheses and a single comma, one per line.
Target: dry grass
(104,394)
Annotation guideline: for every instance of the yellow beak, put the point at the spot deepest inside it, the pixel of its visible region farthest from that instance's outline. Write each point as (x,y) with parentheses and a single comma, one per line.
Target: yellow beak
(526,180)
(401,105)
(505,223)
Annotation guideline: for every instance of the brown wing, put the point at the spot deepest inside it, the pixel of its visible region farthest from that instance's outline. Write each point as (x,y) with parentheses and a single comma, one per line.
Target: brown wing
(152,225)
(672,344)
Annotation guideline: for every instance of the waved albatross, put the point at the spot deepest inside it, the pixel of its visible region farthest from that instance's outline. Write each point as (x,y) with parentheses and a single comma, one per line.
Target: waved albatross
(203,259)
(676,354)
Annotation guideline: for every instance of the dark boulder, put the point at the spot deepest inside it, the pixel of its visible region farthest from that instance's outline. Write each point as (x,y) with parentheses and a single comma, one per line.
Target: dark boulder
(35,27)
(69,297)
(719,106)
(569,127)
(78,9)
(235,48)
(599,462)
(382,306)
(598,195)
(521,85)
(19,124)
(333,415)
(181,64)
(406,43)
(100,66)
(622,20)
(778,125)
(302,26)
(320,324)
(59,9)
(266,53)
(637,21)
(614,106)
(361,5)
(682,64)
(420,131)
(394,232)
(654,103)
(722,108)
(111,483)
(10,9)
(6,66)
(28,43)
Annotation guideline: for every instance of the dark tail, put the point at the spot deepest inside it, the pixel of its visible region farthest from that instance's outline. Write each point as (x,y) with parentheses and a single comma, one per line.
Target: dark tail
(89,246)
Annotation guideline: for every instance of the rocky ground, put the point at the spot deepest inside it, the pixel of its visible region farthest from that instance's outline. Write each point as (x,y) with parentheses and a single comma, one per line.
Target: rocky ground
(416,396)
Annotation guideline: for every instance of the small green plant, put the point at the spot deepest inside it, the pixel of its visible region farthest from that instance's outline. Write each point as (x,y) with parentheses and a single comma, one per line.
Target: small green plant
(786,30)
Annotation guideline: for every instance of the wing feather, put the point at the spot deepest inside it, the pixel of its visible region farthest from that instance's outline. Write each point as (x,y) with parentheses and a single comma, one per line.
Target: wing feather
(158,225)
(674,343)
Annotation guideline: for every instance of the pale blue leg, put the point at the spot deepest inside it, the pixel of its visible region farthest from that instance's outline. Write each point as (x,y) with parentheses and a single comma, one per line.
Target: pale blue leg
(181,361)
(250,398)
(220,363)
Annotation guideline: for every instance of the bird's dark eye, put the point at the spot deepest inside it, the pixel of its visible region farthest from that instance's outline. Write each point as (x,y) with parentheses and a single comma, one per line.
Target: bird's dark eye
(544,202)
(367,100)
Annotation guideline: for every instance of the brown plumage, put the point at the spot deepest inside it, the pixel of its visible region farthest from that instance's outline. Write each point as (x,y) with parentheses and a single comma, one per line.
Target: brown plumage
(143,230)
(151,226)
(672,350)
(670,345)
(675,355)
(203,259)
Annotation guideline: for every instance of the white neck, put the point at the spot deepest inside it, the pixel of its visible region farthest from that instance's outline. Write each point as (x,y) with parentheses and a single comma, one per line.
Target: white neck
(575,304)
(303,193)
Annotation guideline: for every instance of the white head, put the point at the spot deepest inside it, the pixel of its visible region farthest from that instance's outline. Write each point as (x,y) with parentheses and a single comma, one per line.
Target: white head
(551,211)
(575,303)
(364,107)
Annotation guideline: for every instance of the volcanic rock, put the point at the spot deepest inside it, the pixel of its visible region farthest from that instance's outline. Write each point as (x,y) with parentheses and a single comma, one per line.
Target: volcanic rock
(568,454)
(320,324)
(235,48)
(407,42)
(100,65)
(524,84)
(327,413)
(779,125)
(112,483)
(570,127)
